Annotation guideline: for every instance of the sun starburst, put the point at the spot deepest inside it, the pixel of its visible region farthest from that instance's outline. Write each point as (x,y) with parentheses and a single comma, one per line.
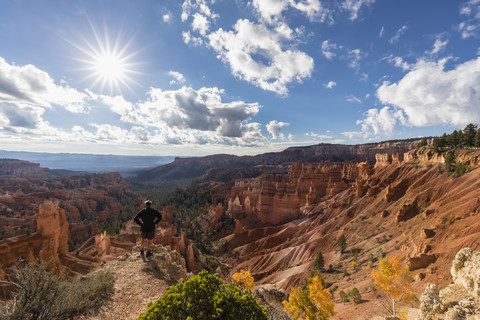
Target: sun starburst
(109,67)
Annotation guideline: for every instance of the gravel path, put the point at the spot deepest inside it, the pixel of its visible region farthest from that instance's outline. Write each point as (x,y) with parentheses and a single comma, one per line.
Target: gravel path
(134,289)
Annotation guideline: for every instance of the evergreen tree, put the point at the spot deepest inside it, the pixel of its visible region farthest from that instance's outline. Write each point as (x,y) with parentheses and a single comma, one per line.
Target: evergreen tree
(469,135)
(476,139)
(343,297)
(355,295)
(319,262)
(450,161)
(342,243)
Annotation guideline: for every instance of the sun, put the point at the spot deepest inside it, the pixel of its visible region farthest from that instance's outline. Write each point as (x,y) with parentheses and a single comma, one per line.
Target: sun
(110,67)
(108,64)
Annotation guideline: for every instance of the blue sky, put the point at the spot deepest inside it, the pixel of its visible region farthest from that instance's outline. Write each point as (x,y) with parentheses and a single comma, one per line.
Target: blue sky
(199,77)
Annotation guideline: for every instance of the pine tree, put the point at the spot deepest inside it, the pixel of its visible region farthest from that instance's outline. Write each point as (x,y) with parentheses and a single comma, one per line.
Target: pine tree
(469,135)
(476,139)
(319,262)
(355,295)
(450,161)
(342,243)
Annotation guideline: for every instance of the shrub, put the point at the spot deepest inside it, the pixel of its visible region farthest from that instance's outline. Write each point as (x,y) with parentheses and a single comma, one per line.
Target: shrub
(205,296)
(244,279)
(42,294)
(355,295)
(313,302)
(343,296)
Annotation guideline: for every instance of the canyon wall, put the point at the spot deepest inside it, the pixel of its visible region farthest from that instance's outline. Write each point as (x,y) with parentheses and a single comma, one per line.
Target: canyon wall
(274,199)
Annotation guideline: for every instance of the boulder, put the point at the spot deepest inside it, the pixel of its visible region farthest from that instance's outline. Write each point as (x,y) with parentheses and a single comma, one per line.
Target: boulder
(420,261)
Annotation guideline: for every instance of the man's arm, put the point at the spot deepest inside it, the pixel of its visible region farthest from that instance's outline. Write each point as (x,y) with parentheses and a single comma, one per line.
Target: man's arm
(158,216)
(137,218)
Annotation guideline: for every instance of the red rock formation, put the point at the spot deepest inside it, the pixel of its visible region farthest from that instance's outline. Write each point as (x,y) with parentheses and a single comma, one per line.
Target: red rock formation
(275,199)
(50,243)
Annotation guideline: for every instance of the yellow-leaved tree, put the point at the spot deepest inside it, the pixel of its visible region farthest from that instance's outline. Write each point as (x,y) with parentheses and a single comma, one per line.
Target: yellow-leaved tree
(311,303)
(395,280)
(244,279)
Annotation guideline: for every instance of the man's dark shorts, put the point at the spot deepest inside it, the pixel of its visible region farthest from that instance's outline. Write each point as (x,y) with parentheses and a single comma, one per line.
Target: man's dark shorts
(148,235)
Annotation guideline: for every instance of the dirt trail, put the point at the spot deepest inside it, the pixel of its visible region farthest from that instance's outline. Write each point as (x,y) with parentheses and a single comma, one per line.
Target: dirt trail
(134,289)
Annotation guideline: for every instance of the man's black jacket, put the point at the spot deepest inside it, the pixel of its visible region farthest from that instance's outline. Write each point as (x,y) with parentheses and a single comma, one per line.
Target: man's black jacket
(148,218)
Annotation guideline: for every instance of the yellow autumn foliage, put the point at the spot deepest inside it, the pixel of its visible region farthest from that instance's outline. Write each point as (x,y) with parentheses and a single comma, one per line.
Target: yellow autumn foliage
(311,303)
(244,279)
(395,280)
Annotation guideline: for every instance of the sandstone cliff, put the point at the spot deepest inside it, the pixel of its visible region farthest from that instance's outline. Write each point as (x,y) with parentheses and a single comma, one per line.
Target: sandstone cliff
(189,168)
(412,210)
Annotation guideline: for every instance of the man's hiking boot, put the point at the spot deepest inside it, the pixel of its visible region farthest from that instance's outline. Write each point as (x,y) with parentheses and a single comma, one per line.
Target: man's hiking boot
(142,252)
(149,253)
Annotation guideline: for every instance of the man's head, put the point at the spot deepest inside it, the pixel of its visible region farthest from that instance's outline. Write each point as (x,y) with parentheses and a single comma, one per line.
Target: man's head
(148,203)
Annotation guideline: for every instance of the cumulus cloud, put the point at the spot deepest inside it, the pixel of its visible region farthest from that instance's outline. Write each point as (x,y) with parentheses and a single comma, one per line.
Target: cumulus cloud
(430,95)
(200,6)
(200,23)
(183,116)
(14,115)
(330,84)
(328,49)
(257,55)
(354,7)
(398,34)
(187,38)
(177,77)
(167,17)
(28,84)
(275,129)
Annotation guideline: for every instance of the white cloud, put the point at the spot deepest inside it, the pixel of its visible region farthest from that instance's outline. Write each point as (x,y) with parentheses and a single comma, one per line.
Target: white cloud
(30,85)
(328,49)
(200,23)
(167,17)
(200,6)
(275,129)
(317,136)
(398,62)
(354,7)
(429,95)
(257,55)
(471,26)
(271,10)
(177,77)
(439,45)
(187,38)
(352,98)
(183,116)
(398,34)
(382,32)
(354,56)
(330,84)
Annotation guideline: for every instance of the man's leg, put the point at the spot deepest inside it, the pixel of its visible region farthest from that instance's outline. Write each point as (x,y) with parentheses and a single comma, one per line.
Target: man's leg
(144,245)
(149,243)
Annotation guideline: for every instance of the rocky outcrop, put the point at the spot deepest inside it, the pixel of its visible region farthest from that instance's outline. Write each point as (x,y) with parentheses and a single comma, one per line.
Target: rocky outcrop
(422,260)
(461,299)
(430,303)
(271,298)
(406,212)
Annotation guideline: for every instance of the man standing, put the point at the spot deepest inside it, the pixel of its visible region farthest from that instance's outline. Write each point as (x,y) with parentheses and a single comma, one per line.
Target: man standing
(147,218)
